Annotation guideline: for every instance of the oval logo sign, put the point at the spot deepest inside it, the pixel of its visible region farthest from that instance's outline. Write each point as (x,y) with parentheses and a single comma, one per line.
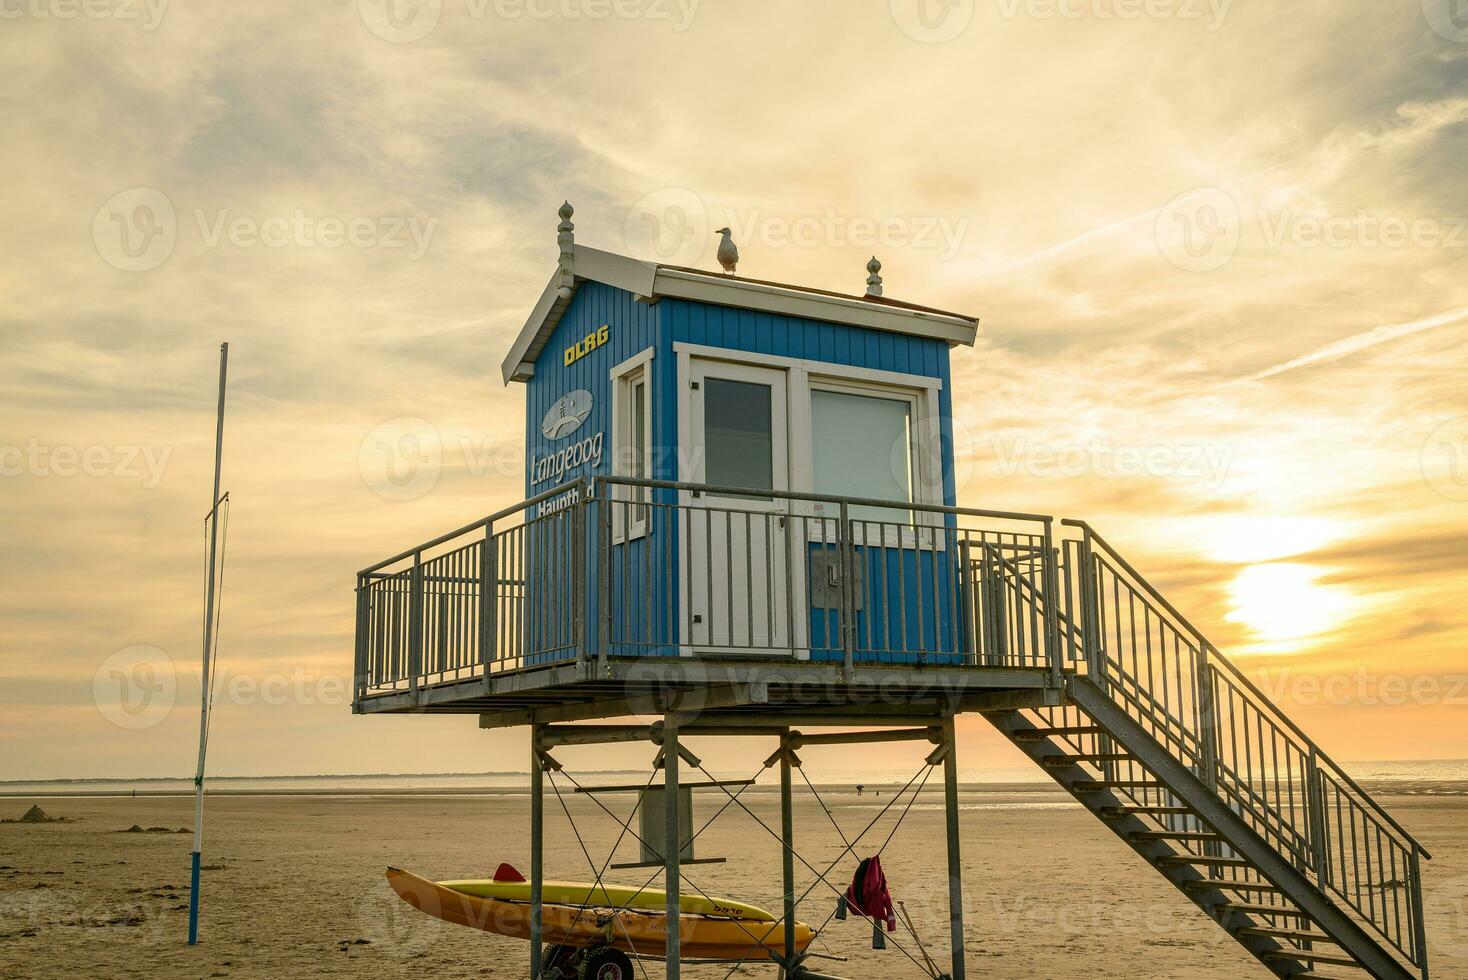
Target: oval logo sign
(567,414)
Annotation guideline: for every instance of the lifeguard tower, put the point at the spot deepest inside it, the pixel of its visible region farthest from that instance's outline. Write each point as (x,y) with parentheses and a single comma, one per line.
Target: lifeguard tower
(740,517)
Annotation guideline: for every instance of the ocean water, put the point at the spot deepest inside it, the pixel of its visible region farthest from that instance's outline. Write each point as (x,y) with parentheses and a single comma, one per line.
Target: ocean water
(1437,776)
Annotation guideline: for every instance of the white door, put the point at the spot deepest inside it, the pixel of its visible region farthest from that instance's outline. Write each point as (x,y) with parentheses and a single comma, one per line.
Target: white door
(737,549)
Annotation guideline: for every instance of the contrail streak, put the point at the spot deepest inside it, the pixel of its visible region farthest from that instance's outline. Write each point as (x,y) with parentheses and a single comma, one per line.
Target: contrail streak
(1361,341)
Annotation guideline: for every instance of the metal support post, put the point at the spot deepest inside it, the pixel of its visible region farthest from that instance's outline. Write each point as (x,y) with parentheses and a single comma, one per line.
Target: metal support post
(1419,932)
(489,590)
(603,495)
(672,842)
(1315,814)
(955,863)
(415,627)
(1051,591)
(847,550)
(787,856)
(537,850)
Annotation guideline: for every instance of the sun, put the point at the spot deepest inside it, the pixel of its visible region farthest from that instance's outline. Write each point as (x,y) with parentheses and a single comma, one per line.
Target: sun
(1268,537)
(1283,603)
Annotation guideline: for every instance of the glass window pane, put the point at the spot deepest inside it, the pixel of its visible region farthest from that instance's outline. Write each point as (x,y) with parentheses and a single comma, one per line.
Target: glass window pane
(738,439)
(639,447)
(639,429)
(862,448)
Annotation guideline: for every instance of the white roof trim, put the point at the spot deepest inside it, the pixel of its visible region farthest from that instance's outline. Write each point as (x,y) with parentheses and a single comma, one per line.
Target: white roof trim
(815,306)
(649,281)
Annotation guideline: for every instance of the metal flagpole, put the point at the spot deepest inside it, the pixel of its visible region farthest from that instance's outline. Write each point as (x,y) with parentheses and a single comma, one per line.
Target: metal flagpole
(204,675)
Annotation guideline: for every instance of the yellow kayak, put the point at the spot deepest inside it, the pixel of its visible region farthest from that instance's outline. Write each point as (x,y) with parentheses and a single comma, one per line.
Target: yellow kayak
(633,932)
(604,895)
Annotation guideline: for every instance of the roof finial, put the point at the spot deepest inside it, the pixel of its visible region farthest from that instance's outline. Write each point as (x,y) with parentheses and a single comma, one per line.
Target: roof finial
(566,239)
(874,277)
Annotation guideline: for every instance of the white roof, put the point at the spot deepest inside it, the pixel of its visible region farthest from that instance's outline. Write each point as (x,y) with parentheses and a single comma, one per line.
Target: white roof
(650,281)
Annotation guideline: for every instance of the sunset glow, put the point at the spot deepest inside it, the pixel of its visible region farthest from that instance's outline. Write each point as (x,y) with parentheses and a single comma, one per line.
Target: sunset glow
(1283,604)
(1266,537)
(1220,277)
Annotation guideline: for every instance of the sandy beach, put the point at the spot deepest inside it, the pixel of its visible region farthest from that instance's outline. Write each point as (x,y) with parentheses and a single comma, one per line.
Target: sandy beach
(295,886)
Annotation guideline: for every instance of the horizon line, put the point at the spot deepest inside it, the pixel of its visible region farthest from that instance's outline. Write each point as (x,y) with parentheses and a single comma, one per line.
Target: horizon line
(501,772)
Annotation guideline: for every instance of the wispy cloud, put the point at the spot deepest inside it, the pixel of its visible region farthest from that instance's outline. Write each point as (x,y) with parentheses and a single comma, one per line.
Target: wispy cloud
(275,114)
(1362,341)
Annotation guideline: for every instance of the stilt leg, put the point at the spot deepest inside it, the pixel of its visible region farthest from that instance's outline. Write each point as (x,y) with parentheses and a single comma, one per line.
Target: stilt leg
(955,863)
(537,855)
(787,858)
(672,841)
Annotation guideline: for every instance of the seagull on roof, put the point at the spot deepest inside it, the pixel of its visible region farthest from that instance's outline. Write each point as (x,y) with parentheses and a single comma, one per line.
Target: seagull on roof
(728,252)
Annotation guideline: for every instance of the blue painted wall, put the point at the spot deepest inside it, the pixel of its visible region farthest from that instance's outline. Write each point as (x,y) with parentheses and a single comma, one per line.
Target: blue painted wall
(816,340)
(925,625)
(643,590)
(633,327)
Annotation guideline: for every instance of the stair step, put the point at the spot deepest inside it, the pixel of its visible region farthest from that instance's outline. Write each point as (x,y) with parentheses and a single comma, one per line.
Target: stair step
(1224,884)
(1040,734)
(1293,935)
(1144,835)
(1254,908)
(1097,785)
(1094,758)
(1117,812)
(1178,860)
(1311,956)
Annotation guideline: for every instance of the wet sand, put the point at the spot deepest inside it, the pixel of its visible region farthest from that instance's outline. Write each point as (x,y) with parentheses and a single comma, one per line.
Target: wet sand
(296,887)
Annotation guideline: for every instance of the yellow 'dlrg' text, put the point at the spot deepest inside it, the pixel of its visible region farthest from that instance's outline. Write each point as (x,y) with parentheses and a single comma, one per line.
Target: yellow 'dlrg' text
(587,344)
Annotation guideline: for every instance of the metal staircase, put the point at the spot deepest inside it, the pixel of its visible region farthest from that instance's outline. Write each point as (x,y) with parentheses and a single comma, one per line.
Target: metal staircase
(1194,768)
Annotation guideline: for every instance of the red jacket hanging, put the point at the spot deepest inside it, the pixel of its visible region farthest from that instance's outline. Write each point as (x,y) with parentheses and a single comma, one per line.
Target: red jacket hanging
(868,894)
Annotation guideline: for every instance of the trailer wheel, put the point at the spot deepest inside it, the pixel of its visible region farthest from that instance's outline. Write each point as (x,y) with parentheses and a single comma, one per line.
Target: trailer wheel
(606,964)
(555,963)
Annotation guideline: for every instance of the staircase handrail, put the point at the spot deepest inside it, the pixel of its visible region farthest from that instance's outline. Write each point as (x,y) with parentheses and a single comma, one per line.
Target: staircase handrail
(1215,656)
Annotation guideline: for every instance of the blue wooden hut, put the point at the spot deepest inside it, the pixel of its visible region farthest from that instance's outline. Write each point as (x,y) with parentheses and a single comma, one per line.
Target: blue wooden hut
(772,396)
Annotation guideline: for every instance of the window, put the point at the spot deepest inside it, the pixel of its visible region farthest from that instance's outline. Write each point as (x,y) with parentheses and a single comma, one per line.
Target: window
(852,431)
(638,443)
(738,436)
(861,446)
(632,444)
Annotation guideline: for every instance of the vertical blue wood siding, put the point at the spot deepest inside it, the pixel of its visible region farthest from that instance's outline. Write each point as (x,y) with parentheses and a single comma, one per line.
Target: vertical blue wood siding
(632,328)
(815,340)
(910,576)
(643,589)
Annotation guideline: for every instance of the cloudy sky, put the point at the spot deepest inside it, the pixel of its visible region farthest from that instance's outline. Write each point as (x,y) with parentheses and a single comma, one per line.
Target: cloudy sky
(1220,252)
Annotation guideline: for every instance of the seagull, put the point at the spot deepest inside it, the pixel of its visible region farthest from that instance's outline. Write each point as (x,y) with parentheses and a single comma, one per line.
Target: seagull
(728,253)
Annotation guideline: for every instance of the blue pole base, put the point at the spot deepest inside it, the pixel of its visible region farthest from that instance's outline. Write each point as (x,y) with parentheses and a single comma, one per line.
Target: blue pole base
(194,899)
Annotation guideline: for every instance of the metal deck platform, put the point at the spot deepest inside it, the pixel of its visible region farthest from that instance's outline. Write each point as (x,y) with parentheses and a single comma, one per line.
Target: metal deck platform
(813,693)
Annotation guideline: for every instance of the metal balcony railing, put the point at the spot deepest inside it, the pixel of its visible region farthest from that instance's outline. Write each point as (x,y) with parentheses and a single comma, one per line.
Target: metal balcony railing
(617,567)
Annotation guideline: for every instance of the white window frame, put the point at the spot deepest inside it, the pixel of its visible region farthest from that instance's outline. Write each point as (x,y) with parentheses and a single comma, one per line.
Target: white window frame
(917,531)
(913,400)
(625,377)
(802,375)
